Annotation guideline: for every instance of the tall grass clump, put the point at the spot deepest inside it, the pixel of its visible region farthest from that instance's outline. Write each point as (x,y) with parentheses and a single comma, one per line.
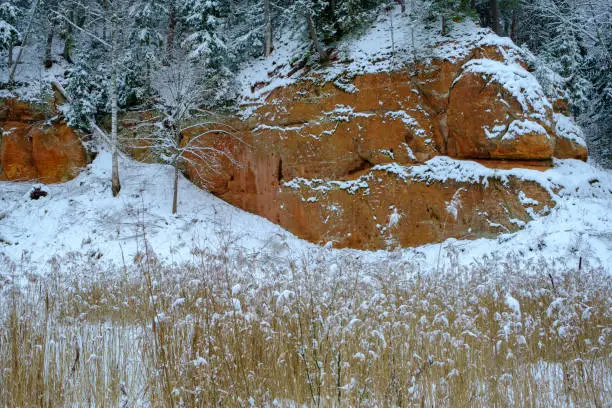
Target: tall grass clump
(327,329)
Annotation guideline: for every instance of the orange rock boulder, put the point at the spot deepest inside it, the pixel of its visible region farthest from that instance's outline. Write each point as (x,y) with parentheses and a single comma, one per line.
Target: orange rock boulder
(31,150)
(498,111)
(380,159)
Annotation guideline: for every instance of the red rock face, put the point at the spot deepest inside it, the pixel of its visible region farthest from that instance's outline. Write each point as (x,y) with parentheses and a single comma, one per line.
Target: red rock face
(30,151)
(309,157)
(486,122)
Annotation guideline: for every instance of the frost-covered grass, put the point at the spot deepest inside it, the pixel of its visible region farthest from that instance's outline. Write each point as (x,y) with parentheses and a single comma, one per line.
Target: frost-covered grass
(237,329)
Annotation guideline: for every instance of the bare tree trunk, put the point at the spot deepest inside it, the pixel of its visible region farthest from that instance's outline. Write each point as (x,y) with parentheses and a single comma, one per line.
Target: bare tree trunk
(267,29)
(116,185)
(48,61)
(104,30)
(175,196)
(10,54)
(443,24)
(513,25)
(68,42)
(313,36)
(177,141)
(171,28)
(494,10)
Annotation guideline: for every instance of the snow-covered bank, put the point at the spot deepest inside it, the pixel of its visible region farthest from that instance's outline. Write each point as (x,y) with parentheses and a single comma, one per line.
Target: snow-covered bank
(81,217)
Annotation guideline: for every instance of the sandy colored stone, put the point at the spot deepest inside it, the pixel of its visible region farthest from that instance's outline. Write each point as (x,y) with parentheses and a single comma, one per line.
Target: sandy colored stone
(16,159)
(365,219)
(33,150)
(312,132)
(57,152)
(569,149)
(481,116)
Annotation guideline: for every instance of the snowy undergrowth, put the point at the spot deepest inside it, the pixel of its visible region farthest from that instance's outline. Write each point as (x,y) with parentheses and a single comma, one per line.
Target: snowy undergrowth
(82,217)
(32,78)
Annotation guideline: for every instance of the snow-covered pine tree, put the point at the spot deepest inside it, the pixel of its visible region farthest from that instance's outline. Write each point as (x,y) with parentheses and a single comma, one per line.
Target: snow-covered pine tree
(207,45)
(564,55)
(116,27)
(9,35)
(144,51)
(89,95)
(574,37)
(249,32)
(446,10)
(148,17)
(354,14)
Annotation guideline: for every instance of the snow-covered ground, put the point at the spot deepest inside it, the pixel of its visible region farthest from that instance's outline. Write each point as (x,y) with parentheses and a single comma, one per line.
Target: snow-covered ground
(80,218)
(32,73)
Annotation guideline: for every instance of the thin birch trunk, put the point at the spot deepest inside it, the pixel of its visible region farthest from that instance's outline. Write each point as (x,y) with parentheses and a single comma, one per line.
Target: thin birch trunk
(267,29)
(175,195)
(177,159)
(116,185)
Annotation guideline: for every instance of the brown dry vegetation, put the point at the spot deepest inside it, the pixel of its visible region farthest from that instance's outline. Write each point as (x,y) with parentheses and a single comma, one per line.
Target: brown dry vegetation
(233,330)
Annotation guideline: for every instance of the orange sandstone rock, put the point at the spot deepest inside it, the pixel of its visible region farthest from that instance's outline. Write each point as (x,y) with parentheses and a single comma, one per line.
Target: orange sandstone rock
(32,150)
(16,158)
(57,152)
(309,157)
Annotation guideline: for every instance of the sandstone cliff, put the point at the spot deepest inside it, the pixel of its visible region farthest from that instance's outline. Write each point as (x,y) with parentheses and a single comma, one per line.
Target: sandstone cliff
(342,158)
(367,158)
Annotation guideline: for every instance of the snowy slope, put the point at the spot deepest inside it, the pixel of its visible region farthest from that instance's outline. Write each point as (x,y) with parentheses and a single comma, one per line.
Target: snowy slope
(81,219)
(81,216)
(32,72)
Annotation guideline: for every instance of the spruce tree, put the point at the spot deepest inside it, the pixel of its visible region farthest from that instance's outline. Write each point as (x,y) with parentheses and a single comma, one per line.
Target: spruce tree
(9,35)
